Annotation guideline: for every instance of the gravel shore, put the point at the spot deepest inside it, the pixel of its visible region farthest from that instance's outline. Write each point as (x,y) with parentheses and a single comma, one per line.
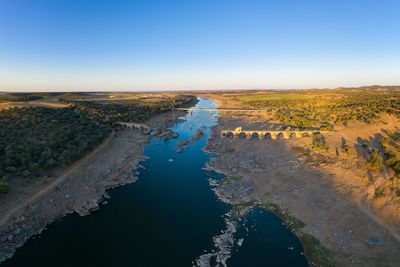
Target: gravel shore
(310,200)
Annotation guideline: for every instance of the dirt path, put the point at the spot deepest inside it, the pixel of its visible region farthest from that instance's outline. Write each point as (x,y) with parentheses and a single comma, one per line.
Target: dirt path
(31,198)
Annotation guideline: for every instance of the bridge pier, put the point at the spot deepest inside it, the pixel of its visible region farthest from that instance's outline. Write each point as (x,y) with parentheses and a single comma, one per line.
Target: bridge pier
(286,135)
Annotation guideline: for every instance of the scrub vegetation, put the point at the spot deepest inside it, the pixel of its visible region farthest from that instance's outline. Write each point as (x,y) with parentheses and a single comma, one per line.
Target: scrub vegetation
(340,112)
(8,97)
(325,108)
(351,164)
(136,110)
(391,149)
(35,140)
(317,254)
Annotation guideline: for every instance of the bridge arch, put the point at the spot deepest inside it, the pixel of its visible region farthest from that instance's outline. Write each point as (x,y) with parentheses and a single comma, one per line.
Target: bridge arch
(229,134)
(242,135)
(255,135)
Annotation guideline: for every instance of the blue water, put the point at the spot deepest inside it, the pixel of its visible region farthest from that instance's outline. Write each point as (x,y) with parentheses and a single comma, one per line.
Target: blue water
(169,217)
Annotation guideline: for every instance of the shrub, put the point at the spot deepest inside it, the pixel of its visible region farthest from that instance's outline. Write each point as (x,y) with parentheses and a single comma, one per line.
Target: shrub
(319,144)
(326,127)
(397,191)
(375,162)
(345,148)
(379,192)
(3,186)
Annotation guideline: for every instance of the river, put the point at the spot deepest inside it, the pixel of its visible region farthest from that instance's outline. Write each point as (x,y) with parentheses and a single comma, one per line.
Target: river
(169,217)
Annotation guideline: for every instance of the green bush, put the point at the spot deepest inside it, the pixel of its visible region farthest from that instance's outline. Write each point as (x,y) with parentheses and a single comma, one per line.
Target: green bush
(345,146)
(397,191)
(375,162)
(3,186)
(319,143)
(379,192)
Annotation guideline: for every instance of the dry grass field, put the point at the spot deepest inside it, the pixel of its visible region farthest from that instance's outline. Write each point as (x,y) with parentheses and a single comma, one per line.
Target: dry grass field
(343,183)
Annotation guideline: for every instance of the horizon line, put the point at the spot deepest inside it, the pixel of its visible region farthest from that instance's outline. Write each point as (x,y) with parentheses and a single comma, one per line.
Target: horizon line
(200,90)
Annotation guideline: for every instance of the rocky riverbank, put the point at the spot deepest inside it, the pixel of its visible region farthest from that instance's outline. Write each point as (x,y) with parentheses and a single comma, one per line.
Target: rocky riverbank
(81,188)
(333,228)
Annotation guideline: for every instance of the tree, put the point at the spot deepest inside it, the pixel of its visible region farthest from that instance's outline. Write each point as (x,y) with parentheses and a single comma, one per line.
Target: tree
(3,186)
(375,161)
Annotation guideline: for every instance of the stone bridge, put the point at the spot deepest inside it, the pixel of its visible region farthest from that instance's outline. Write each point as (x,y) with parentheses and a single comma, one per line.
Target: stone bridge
(266,134)
(138,126)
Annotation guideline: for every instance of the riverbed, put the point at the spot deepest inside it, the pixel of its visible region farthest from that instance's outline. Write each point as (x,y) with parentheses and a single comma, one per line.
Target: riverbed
(170,217)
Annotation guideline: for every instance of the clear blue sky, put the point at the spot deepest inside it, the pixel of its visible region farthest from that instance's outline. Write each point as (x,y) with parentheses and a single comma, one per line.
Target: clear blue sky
(197,44)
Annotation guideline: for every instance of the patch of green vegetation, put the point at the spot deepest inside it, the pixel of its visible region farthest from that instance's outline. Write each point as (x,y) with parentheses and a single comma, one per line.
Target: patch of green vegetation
(137,110)
(326,127)
(273,96)
(316,253)
(235,178)
(375,161)
(17,97)
(391,148)
(59,217)
(3,186)
(35,140)
(379,192)
(325,108)
(228,151)
(292,222)
(345,147)
(319,144)
(397,191)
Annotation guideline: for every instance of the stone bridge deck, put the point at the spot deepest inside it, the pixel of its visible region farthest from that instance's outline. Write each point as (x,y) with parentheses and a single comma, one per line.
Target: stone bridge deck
(267,134)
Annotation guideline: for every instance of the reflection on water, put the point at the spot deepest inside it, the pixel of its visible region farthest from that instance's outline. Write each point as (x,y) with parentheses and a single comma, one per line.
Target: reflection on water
(169,217)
